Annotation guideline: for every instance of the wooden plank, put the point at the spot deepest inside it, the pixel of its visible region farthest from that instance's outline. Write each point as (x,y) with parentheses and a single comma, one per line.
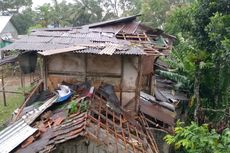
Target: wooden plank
(88,74)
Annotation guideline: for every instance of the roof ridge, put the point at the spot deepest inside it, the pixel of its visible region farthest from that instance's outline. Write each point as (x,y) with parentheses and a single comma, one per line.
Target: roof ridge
(119,20)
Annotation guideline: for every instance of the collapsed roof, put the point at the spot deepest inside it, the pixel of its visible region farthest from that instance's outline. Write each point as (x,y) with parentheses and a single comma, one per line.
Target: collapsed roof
(93,120)
(120,36)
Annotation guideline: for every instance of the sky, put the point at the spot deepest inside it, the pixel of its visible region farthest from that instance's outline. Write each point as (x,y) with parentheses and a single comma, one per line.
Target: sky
(37,3)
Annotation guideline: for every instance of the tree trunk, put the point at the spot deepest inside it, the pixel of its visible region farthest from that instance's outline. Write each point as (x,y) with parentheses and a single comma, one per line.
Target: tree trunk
(217,84)
(197,91)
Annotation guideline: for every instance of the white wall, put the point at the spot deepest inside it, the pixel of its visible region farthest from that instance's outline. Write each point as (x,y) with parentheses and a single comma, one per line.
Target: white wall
(9,28)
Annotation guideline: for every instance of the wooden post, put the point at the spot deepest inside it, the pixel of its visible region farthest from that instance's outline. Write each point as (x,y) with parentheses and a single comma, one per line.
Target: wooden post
(45,72)
(30,77)
(86,66)
(41,67)
(22,83)
(3,87)
(150,81)
(121,81)
(138,83)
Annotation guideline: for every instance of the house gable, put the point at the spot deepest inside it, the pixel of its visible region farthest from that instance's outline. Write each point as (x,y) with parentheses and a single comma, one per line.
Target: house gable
(10,28)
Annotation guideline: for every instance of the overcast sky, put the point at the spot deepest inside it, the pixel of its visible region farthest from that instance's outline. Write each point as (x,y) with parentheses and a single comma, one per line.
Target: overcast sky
(37,3)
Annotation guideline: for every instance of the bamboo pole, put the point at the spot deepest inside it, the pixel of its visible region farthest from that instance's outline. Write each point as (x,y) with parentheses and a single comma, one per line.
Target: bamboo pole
(3,88)
(14,92)
(28,98)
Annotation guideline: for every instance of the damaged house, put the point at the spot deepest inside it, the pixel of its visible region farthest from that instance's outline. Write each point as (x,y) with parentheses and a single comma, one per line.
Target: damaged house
(106,69)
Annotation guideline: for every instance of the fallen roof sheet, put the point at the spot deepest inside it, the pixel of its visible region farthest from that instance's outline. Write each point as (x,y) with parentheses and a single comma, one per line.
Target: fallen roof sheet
(14,135)
(19,131)
(115,131)
(165,91)
(153,100)
(157,112)
(8,59)
(100,124)
(62,50)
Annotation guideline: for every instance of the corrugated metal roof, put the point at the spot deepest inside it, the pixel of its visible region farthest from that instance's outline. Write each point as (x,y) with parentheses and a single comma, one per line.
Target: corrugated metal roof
(19,131)
(96,34)
(71,128)
(14,135)
(9,59)
(108,50)
(33,46)
(130,28)
(62,50)
(124,19)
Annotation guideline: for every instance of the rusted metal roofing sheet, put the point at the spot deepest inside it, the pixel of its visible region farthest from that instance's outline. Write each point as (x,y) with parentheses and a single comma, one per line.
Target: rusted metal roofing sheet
(71,128)
(157,112)
(165,88)
(130,28)
(108,29)
(120,20)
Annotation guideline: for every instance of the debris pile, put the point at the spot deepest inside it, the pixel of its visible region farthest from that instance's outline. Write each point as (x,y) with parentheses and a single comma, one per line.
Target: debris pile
(88,113)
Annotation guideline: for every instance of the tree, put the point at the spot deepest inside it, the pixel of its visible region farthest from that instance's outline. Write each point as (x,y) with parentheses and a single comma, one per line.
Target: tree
(43,15)
(23,20)
(205,26)
(13,6)
(194,139)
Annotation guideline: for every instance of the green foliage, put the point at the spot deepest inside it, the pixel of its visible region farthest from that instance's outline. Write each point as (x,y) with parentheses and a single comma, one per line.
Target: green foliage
(84,106)
(154,10)
(13,102)
(23,20)
(182,81)
(36,26)
(13,6)
(204,38)
(194,139)
(73,107)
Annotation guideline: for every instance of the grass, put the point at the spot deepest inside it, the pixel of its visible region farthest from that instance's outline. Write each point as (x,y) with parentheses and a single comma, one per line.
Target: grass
(13,101)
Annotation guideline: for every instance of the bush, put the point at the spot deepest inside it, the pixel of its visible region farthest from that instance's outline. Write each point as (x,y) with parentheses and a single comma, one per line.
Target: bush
(199,139)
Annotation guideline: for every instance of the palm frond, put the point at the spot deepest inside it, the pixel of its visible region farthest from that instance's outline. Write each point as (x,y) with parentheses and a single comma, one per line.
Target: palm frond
(174,76)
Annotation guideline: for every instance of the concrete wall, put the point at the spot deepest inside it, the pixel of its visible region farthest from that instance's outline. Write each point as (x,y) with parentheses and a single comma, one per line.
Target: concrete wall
(120,71)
